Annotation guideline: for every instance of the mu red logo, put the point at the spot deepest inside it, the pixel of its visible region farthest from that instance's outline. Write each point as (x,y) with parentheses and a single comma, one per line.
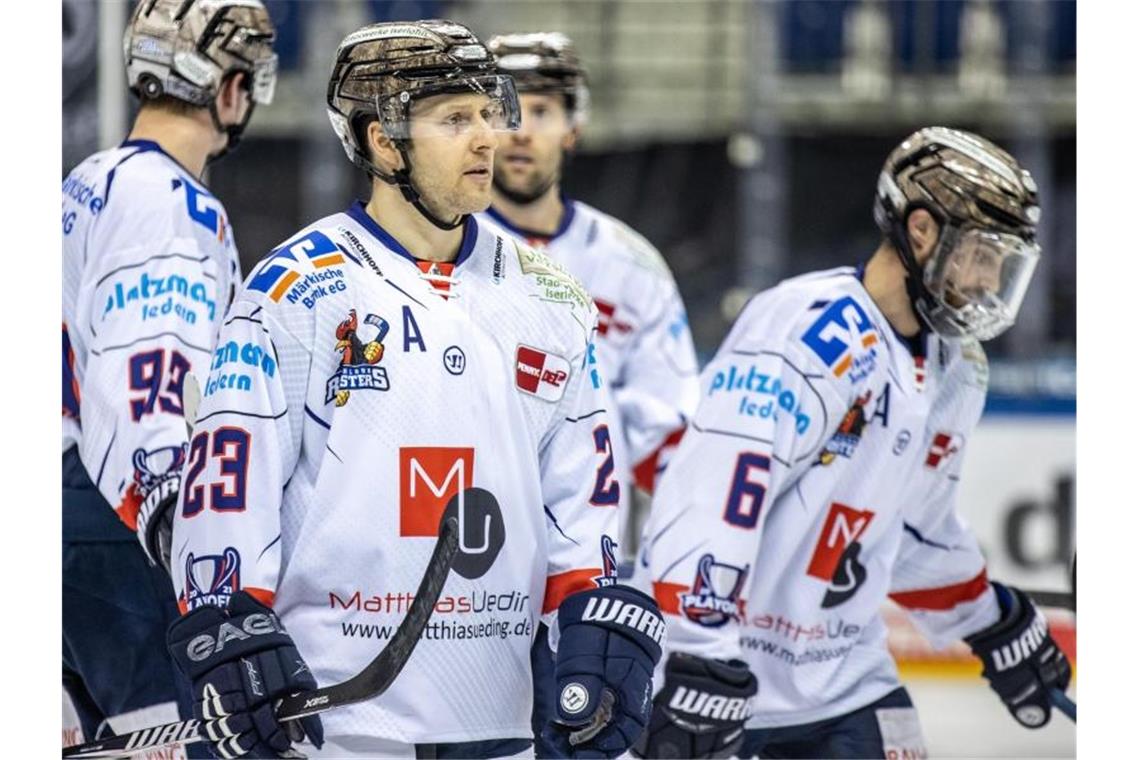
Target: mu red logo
(429,477)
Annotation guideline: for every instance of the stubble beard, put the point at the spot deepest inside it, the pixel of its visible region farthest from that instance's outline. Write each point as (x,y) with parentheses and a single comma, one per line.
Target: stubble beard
(531,190)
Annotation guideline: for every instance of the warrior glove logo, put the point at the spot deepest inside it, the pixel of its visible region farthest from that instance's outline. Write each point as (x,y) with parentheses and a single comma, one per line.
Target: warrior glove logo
(715,597)
(604,609)
(696,703)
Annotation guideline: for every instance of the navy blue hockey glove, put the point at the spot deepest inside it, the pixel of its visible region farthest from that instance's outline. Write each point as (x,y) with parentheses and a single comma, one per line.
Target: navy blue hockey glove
(701,710)
(241,661)
(1020,659)
(609,642)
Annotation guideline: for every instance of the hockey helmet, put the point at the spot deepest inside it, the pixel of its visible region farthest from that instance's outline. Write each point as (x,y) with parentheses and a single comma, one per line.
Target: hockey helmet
(186,48)
(986,205)
(544,62)
(381,69)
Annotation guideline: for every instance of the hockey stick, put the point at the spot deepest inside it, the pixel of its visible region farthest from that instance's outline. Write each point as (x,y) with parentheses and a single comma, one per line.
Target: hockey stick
(1061,599)
(374,680)
(1064,704)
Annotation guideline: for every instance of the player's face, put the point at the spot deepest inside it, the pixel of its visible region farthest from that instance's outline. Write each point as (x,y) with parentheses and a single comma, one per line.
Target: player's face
(974,271)
(453,139)
(529,160)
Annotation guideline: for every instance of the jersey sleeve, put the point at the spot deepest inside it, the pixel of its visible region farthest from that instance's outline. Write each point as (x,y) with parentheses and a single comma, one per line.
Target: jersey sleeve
(244,446)
(580,487)
(939,576)
(659,387)
(765,411)
(153,301)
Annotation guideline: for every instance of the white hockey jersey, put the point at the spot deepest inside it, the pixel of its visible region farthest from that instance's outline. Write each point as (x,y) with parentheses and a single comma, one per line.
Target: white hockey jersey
(149,265)
(817,478)
(354,395)
(644,342)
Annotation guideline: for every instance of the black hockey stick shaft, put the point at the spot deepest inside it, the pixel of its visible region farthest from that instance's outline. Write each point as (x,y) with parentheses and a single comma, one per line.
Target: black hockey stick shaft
(1062,702)
(1061,599)
(376,677)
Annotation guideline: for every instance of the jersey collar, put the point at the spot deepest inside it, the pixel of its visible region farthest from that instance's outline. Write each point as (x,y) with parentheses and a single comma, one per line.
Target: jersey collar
(150,146)
(916,344)
(568,211)
(466,246)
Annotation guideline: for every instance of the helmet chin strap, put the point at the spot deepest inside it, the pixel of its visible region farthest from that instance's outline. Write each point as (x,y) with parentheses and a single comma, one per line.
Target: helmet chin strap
(233,132)
(402,178)
(915,290)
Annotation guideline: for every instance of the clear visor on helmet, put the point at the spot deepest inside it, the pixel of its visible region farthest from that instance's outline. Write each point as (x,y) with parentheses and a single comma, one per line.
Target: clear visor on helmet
(978,280)
(452,109)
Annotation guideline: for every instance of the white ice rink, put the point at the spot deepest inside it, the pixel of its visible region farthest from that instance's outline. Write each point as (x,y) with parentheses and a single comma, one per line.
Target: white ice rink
(962,718)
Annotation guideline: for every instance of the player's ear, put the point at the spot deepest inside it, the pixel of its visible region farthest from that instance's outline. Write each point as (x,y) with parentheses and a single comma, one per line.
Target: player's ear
(385,154)
(570,139)
(230,93)
(922,230)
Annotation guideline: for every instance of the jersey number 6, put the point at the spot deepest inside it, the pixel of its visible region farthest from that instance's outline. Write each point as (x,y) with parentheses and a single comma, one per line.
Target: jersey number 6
(231,449)
(746,496)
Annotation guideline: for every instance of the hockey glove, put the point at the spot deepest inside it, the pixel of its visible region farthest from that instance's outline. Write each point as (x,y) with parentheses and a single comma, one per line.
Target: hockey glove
(240,661)
(1021,660)
(155,521)
(701,710)
(609,643)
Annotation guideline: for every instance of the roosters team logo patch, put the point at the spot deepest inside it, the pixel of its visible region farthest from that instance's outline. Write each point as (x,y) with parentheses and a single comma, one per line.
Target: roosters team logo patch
(849,433)
(715,597)
(541,374)
(358,359)
(212,579)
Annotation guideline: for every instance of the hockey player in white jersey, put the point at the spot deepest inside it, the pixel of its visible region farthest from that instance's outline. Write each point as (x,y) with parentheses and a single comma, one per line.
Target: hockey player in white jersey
(644,342)
(385,367)
(644,345)
(149,264)
(819,477)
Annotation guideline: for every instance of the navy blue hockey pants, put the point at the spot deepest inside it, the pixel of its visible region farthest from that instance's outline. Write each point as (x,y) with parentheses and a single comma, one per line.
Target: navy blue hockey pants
(116,608)
(854,735)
